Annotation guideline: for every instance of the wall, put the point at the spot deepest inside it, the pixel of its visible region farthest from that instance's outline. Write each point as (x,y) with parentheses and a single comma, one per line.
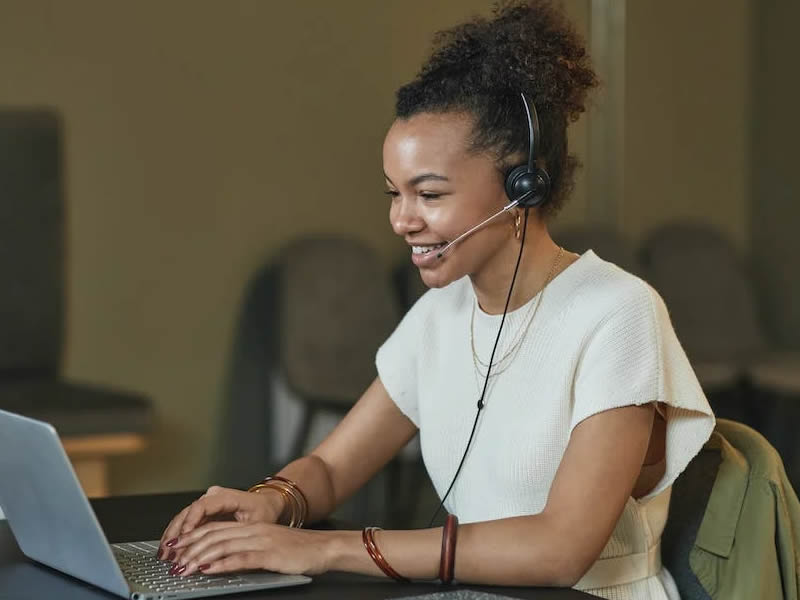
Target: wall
(775,208)
(687,111)
(197,142)
(200,140)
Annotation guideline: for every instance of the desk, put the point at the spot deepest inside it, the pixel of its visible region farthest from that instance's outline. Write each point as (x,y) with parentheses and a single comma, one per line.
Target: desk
(131,518)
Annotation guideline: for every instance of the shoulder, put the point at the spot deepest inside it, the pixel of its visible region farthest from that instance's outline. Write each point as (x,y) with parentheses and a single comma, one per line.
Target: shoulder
(606,292)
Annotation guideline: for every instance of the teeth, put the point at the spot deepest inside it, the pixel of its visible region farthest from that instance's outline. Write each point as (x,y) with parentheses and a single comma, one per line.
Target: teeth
(425,249)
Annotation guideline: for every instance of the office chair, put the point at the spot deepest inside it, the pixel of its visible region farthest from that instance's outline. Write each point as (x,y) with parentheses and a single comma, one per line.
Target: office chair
(32,242)
(724,539)
(311,321)
(32,306)
(336,308)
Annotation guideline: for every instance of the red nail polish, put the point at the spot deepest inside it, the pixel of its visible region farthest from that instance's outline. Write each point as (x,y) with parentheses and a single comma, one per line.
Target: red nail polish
(173,569)
(159,553)
(181,570)
(171,555)
(172,542)
(203,567)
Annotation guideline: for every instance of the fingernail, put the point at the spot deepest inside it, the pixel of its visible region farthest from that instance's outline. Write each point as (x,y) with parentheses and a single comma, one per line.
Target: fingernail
(171,555)
(204,567)
(172,542)
(181,570)
(160,552)
(173,569)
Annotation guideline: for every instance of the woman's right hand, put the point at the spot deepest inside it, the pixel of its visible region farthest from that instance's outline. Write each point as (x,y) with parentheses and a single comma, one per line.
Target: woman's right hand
(219,504)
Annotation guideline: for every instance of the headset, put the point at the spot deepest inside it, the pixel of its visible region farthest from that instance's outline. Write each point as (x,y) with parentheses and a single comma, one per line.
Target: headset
(527,186)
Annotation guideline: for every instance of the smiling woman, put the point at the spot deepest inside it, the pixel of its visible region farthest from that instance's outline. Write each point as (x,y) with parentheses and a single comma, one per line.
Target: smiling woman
(587,408)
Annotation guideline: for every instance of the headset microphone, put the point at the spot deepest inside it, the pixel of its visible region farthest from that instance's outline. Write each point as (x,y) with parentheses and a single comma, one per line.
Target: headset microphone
(468,233)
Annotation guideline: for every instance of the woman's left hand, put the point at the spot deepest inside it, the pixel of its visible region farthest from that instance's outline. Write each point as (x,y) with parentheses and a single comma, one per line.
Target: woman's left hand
(225,546)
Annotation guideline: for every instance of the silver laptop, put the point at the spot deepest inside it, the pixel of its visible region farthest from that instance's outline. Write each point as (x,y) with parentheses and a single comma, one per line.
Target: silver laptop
(54,524)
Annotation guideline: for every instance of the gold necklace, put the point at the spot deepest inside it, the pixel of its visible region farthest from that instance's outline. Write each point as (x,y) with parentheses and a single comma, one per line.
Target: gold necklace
(504,362)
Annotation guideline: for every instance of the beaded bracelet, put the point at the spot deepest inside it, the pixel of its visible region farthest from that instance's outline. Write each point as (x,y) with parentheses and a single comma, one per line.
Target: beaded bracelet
(368,537)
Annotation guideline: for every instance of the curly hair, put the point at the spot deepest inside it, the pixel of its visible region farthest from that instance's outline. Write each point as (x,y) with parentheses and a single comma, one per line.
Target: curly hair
(481,66)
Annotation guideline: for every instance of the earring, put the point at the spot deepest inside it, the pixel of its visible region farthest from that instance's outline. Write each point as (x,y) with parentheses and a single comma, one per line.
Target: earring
(517,225)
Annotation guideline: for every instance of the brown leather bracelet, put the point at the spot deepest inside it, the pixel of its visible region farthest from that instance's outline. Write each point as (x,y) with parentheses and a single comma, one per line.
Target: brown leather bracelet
(367,536)
(447,561)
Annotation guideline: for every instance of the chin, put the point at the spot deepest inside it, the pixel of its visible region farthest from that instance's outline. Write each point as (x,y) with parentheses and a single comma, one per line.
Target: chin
(435,279)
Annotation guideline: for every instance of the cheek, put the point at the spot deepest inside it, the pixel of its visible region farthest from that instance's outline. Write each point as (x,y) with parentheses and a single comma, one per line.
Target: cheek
(448,222)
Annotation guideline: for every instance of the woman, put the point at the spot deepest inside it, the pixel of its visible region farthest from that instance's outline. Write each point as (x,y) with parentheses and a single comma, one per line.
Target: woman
(589,408)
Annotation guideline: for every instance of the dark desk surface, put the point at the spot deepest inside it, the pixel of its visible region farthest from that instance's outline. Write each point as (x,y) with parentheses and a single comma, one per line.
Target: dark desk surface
(132,518)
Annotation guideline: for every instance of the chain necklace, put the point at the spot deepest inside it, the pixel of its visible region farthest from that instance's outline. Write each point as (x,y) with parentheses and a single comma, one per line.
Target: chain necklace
(504,362)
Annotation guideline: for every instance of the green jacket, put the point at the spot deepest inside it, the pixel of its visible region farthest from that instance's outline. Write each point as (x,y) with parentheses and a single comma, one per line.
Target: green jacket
(748,543)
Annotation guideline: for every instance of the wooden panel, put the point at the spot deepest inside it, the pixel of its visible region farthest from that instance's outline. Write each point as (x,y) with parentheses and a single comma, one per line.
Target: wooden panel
(89,455)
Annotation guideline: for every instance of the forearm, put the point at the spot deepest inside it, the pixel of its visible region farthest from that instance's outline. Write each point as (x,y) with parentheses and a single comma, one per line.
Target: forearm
(517,551)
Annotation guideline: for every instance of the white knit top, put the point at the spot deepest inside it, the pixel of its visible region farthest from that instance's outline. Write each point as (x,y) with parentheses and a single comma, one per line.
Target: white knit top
(600,339)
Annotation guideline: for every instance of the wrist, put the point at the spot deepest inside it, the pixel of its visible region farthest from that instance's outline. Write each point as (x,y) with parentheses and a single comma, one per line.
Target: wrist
(294,499)
(277,507)
(344,551)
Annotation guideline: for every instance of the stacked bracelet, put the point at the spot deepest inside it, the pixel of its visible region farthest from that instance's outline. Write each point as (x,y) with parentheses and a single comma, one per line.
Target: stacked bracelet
(293,497)
(368,537)
(447,560)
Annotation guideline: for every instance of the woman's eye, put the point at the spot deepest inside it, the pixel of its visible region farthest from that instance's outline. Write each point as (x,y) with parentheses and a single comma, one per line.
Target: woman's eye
(430,195)
(392,193)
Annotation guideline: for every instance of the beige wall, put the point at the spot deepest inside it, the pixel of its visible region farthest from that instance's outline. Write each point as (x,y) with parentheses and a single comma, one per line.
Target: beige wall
(200,139)
(776,179)
(687,106)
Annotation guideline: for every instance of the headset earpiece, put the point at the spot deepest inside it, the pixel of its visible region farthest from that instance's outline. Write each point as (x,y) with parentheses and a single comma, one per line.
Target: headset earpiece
(528,184)
(531,188)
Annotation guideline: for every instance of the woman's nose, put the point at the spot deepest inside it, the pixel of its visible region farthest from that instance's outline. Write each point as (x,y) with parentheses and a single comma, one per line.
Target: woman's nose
(404,217)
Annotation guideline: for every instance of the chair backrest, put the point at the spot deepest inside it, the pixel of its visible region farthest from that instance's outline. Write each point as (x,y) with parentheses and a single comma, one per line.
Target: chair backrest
(31,243)
(246,443)
(607,243)
(690,494)
(337,306)
(707,289)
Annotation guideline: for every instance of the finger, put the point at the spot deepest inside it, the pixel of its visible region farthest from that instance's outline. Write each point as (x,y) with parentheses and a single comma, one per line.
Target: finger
(225,548)
(170,533)
(207,506)
(215,539)
(185,541)
(196,534)
(215,489)
(240,561)
(228,561)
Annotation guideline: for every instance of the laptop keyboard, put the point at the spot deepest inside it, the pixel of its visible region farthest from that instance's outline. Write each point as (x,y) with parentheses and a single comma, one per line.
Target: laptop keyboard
(141,567)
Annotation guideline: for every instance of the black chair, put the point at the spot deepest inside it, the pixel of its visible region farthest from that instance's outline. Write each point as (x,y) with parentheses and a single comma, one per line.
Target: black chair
(690,494)
(311,322)
(32,307)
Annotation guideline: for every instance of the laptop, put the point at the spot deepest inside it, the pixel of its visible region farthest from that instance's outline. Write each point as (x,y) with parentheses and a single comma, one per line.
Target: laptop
(54,524)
